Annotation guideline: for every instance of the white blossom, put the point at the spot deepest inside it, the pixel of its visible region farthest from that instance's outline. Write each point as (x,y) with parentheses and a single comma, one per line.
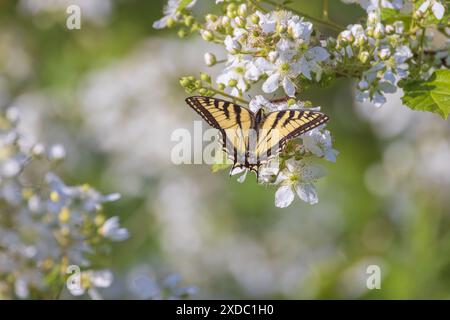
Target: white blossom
(319,143)
(111,229)
(298,178)
(436,7)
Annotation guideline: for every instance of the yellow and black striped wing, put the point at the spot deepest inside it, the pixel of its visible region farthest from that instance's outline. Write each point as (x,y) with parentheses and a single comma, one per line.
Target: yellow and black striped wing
(280,126)
(233,121)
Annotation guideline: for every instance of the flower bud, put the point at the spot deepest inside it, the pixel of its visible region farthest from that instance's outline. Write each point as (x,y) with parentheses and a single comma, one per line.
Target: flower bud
(189,21)
(170,22)
(390,29)
(221,86)
(181,33)
(378,32)
(418,14)
(207,35)
(242,10)
(203,91)
(372,17)
(363,85)
(185,82)
(291,102)
(38,150)
(240,22)
(225,22)
(211,17)
(384,53)
(254,19)
(364,56)
(210,59)
(205,77)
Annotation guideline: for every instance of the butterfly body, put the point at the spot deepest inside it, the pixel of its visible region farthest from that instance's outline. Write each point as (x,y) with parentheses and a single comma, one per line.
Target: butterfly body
(251,139)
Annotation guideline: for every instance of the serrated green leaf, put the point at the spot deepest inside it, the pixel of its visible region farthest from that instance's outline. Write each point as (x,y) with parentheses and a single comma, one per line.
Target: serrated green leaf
(432,95)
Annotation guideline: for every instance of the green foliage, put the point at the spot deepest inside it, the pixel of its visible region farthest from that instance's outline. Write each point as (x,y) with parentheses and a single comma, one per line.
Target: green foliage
(390,16)
(432,95)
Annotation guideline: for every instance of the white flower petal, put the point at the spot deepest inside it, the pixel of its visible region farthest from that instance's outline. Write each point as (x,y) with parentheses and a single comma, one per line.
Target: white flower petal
(289,87)
(307,192)
(271,84)
(438,10)
(284,196)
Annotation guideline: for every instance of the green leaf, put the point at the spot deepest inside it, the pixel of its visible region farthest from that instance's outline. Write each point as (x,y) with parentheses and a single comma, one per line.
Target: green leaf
(389,16)
(432,95)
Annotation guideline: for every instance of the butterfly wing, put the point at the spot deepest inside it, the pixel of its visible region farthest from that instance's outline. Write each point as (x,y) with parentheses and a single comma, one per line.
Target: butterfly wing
(233,121)
(280,126)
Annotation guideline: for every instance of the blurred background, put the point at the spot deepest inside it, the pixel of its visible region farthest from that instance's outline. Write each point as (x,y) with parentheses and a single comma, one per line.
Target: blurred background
(109,92)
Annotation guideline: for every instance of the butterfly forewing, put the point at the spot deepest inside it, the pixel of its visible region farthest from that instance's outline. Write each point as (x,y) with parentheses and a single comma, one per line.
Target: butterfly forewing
(233,121)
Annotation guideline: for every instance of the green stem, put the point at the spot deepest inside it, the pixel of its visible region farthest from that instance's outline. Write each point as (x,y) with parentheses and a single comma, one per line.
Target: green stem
(257,6)
(216,91)
(325,10)
(422,49)
(328,24)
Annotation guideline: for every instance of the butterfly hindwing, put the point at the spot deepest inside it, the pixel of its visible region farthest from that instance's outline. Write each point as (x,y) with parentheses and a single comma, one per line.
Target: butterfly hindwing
(233,121)
(280,126)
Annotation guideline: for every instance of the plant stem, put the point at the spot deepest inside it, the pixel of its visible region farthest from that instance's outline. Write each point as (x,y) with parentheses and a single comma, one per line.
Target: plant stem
(328,24)
(325,10)
(216,91)
(422,49)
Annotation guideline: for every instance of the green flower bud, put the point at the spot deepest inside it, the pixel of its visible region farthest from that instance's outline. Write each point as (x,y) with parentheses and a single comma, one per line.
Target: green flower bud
(170,22)
(205,77)
(198,84)
(207,35)
(231,7)
(185,82)
(291,102)
(240,22)
(189,21)
(221,86)
(364,56)
(203,91)
(181,33)
(211,17)
(254,19)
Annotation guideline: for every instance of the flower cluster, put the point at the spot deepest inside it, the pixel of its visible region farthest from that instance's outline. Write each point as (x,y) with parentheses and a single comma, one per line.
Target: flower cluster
(382,52)
(46,227)
(277,50)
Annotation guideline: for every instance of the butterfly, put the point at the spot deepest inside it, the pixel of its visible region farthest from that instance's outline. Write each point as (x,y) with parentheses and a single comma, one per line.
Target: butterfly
(251,139)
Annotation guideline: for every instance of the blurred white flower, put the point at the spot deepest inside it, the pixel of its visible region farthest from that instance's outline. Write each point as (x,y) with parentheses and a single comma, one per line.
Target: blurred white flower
(111,229)
(57,152)
(171,11)
(436,7)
